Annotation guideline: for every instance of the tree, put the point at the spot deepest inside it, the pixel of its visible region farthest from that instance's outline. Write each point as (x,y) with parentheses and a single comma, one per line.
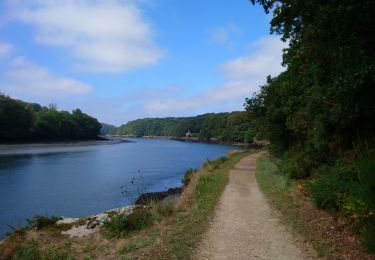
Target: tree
(21,120)
(15,119)
(323,102)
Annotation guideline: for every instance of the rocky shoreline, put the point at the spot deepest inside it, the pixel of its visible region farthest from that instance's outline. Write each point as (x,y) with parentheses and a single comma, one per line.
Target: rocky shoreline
(79,227)
(170,194)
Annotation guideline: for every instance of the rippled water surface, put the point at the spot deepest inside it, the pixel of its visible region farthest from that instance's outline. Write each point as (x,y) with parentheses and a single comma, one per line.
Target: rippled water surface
(79,180)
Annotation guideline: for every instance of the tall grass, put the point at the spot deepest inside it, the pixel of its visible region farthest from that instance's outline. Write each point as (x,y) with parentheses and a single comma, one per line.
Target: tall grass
(122,224)
(31,250)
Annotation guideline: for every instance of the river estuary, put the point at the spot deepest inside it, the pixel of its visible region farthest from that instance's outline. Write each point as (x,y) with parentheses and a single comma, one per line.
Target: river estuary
(79,180)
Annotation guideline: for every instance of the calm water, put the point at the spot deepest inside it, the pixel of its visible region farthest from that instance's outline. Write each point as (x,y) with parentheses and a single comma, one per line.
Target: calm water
(75,181)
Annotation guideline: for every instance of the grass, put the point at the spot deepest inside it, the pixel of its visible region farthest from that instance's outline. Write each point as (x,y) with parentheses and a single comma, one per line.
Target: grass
(182,232)
(121,225)
(327,232)
(281,193)
(31,250)
(135,244)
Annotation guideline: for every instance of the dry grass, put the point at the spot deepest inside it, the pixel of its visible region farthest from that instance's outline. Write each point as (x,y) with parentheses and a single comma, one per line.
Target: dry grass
(188,195)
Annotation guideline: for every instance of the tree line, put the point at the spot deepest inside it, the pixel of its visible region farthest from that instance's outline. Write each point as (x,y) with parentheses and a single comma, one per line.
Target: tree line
(319,113)
(22,121)
(234,126)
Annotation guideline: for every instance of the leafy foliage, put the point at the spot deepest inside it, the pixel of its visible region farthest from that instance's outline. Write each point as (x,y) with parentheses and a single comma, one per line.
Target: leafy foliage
(324,99)
(26,121)
(317,111)
(330,189)
(234,126)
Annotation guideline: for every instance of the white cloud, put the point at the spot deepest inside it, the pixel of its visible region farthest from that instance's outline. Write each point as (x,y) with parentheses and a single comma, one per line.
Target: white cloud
(243,76)
(26,79)
(5,49)
(265,61)
(103,35)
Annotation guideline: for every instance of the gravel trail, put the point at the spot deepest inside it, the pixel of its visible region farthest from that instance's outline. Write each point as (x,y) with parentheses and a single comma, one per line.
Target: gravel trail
(244,225)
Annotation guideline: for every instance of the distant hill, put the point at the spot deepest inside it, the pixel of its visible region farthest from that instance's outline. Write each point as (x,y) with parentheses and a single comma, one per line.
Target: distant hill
(234,126)
(107,129)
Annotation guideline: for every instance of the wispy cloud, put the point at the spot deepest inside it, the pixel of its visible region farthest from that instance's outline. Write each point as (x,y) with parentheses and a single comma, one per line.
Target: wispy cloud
(224,35)
(266,60)
(5,49)
(243,76)
(27,79)
(103,35)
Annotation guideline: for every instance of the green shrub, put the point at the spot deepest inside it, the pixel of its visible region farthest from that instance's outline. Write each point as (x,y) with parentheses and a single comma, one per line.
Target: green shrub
(42,221)
(29,250)
(365,167)
(121,224)
(349,187)
(360,204)
(296,167)
(330,189)
(369,236)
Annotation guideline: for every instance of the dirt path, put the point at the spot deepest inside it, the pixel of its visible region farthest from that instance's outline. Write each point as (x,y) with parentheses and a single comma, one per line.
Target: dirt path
(245,227)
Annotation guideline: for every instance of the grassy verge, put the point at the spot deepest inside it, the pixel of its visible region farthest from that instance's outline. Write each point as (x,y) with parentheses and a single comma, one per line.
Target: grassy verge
(177,235)
(329,233)
(195,207)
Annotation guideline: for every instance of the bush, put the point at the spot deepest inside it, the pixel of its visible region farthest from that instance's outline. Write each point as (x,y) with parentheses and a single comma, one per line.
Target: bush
(330,189)
(121,224)
(42,221)
(296,167)
(360,204)
(350,189)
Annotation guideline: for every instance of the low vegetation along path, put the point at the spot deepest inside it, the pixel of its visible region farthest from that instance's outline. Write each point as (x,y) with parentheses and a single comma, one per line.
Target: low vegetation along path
(244,225)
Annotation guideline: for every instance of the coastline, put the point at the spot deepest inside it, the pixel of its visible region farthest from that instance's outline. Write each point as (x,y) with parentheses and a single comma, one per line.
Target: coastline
(50,234)
(81,226)
(195,140)
(19,148)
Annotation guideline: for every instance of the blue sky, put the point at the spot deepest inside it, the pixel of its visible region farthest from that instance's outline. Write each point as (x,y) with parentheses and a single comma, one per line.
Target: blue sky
(120,60)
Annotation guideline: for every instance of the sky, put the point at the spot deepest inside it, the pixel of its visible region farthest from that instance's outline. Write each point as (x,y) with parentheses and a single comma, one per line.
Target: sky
(119,60)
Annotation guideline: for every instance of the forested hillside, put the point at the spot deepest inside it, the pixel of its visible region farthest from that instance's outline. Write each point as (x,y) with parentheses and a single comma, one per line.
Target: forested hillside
(21,121)
(107,129)
(234,126)
(319,114)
